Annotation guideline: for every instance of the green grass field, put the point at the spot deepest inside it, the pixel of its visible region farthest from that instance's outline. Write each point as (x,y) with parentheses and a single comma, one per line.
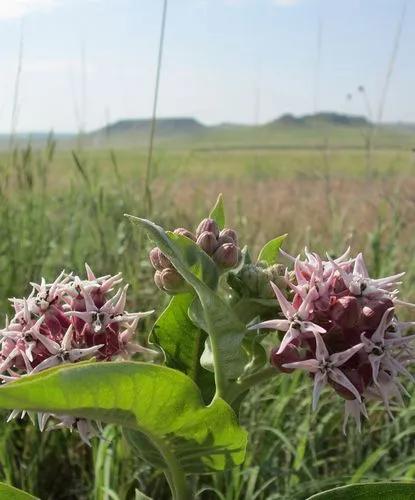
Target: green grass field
(56,213)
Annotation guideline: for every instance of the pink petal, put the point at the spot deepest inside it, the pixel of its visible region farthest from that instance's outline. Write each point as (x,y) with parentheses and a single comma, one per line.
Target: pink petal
(309,326)
(89,273)
(375,364)
(84,431)
(305,309)
(45,364)
(273,324)
(379,333)
(311,365)
(89,303)
(340,378)
(52,346)
(110,282)
(400,368)
(299,273)
(399,340)
(67,339)
(320,380)
(287,309)
(287,255)
(355,409)
(37,325)
(85,316)
(76,354)
(360,267)
(342,257)
(119,307)
(339,358)
(388,279)
(321,350)
(42,419)
(291,334)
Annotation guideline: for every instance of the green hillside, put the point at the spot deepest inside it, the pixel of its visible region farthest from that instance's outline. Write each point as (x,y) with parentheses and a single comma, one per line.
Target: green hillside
(328,129)
(288,131)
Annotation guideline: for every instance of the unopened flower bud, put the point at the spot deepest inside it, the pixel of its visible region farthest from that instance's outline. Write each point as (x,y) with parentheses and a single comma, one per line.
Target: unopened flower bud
(250,276)
(158,260)
(170,281)
(185,232)
(289,355)
(228,236)
(346,311)
(255,279)
(208,225)
(154,259)
(207,242)
(157,280)
(227,256)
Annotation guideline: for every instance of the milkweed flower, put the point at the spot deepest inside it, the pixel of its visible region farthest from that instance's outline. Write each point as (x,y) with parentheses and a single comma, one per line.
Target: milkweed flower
(341,326)
(69,320)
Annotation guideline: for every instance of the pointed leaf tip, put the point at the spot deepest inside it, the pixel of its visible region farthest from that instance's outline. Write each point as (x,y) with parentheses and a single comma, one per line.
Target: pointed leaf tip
(137,220)
(10,493)
(218,212)
(270,250)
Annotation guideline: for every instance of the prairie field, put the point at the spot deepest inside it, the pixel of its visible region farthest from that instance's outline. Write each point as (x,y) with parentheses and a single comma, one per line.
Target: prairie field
(59,209)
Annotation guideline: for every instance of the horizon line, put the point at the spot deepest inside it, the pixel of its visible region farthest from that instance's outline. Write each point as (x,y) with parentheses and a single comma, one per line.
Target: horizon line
(189,117)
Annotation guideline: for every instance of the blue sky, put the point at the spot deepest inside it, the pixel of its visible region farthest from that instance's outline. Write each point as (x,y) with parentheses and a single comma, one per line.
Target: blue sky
(225,60)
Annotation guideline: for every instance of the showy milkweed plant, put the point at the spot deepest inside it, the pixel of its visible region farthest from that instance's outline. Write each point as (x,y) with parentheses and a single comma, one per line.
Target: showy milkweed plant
(232,322)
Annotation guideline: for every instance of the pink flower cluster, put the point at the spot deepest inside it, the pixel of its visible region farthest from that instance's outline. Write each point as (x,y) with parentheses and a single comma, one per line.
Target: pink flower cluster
(341,326)
(66,321)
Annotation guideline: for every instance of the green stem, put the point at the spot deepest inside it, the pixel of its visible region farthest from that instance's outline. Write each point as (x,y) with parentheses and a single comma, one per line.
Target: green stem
(174,474)
(219,368)
(239,387)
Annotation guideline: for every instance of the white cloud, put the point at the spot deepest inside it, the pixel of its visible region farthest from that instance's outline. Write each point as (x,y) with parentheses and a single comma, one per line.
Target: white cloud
(14,9)
(285,3)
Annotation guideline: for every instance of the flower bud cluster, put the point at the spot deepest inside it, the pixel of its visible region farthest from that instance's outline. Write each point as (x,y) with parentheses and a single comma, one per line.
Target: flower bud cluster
(253,280)
(221,246)
(67,321)
(341,326)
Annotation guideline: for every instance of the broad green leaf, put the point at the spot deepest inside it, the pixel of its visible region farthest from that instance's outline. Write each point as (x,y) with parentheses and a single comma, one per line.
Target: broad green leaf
(235,363)
(374,491)
(10,493)
(163,404)
(269,252)
(225,329)
(183,342)
(218,212)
